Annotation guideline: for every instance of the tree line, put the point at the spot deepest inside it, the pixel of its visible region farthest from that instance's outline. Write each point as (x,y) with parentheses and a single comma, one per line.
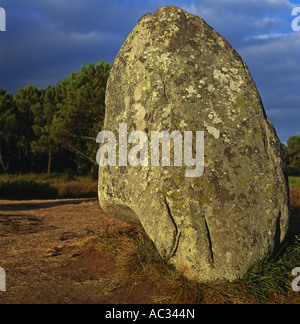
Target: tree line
(292,153)
(54,129)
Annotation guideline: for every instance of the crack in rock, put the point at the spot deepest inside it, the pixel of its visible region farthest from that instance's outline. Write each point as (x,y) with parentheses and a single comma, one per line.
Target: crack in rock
(209,241)
(177,233)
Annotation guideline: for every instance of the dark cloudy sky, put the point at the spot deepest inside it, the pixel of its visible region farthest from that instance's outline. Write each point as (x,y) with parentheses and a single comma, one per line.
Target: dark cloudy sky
(48,39)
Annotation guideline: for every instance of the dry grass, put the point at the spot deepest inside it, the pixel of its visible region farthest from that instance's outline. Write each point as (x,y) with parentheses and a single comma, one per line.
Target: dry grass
(295,192)
(137,262)
(295,198)
(33,186)
(77,189)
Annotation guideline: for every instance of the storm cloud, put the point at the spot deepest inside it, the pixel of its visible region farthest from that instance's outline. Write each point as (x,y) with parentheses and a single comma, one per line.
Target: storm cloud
(48,39)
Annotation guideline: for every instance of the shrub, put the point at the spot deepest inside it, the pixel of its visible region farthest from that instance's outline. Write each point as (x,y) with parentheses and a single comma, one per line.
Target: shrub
(23,189)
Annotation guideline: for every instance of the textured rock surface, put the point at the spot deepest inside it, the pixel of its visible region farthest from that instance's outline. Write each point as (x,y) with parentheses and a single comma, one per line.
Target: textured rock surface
(174,72)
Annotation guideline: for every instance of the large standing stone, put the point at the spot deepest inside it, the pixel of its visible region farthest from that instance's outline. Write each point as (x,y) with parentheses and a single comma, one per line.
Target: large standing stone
(175,72)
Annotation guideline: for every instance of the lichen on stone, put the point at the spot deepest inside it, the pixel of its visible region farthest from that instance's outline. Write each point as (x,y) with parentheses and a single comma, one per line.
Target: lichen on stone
(174,72)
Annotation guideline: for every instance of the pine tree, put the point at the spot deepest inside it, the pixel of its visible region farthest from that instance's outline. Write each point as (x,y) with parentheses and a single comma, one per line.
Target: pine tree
(42,125)
(27,101)
(81,114)
(293,155)
(8,130)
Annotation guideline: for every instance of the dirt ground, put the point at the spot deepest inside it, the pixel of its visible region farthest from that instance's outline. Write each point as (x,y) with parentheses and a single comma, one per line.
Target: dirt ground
(46,251)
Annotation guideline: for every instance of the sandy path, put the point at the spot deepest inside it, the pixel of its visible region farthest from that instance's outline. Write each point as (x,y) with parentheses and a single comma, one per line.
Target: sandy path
(39,239)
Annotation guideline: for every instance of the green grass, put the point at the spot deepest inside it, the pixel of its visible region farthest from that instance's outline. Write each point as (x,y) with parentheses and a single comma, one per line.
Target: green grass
(294,182)
(273,275)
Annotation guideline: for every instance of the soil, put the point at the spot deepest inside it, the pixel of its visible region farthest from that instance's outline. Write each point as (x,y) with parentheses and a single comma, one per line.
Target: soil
(47,252)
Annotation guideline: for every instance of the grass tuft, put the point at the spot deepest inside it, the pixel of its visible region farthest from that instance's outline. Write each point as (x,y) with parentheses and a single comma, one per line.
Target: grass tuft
(273,275)
(137,260)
